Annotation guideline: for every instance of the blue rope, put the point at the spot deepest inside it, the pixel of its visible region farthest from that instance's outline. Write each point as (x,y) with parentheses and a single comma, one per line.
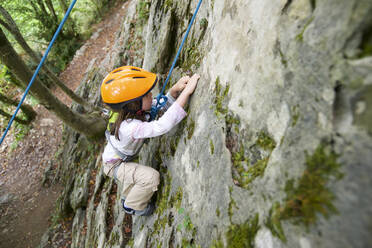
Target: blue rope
(159,105)
(38,68)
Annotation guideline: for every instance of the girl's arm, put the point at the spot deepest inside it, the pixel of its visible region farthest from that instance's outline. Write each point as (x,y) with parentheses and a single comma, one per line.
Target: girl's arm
(170,118)
(158,127)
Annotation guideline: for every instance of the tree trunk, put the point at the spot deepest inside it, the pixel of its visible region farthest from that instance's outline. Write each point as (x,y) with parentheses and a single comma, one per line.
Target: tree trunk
(42,8)
(26,109)
(51,9)
(92,126)
(8,116)
(13,29)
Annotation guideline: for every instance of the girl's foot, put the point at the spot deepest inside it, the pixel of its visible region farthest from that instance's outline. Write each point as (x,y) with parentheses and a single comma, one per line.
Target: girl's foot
(146,212)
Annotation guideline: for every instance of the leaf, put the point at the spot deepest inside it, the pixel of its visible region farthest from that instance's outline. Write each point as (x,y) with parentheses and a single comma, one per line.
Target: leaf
(179,227)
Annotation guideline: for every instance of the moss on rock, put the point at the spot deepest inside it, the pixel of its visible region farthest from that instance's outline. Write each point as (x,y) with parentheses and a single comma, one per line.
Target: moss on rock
(163,195)
(310,196)
(190,128)
(245,171)
(243,235)
(265,141)
(211,145)
(220,97)
(300,36)
(232,204)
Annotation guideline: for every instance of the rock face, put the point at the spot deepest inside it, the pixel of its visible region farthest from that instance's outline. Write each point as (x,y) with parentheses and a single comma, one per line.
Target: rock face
(276,148)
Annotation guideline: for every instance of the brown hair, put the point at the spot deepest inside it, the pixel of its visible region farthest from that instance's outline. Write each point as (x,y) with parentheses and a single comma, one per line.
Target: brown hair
(132,110)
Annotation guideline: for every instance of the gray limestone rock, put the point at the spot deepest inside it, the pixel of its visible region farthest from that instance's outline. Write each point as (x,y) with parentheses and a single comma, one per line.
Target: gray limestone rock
(276,148)
(6,198)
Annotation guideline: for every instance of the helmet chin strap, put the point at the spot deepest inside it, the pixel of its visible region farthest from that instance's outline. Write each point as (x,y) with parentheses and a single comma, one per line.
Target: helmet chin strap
(140,112)
(136,112)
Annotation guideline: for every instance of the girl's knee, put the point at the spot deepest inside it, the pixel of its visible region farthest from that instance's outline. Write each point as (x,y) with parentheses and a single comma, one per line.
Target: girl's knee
(156,178)
(153,178)
(149,177)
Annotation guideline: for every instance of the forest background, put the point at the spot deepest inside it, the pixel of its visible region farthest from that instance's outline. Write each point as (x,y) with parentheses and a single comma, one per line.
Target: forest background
(28,26)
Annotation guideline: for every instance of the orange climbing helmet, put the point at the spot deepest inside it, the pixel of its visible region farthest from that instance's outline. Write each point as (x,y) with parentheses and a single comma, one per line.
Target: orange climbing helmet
(126,84)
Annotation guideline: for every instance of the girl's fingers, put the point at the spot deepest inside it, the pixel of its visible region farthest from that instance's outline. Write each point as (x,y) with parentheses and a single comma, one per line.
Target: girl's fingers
(196,76)
(185,79)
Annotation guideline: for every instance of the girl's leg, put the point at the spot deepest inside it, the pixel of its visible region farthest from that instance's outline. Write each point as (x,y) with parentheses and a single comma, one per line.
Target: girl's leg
(121,172)
(139,184)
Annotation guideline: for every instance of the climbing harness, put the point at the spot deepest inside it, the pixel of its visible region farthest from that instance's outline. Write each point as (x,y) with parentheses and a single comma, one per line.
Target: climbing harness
(38,68)
(155,109)
(123,157)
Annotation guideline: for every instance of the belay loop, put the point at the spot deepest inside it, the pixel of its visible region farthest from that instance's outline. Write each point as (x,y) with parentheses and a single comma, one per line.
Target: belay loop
(158,105)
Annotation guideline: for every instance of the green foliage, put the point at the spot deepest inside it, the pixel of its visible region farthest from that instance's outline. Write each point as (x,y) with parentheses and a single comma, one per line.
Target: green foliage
(38,27)
(218,212)
(64,51)
(230,120)
(130,243)
(265,141)
(168,4)
(282,58)
(159,224)
(366,43)
(243,235)
(367,51)
(188,243)
(178,198)
(311,195)
(295,115)
(191,55)
(20,131)
(163,195)
(274,224)
(7,82)
(143,11)
(203,23)
(190,128)
(246,174)
(187,224)
(211,146)
(220,97)
(300,36)
(217,244)
(232,204)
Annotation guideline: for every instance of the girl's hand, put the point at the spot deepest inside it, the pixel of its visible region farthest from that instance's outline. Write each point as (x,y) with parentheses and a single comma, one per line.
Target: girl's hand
(191,84)
(188,90)
(179,86)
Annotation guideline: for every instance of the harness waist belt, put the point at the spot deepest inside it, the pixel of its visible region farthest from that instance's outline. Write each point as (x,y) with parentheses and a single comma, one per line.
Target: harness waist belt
(124,157)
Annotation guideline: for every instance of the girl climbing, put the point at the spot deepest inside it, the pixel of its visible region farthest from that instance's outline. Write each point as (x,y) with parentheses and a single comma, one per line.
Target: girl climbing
(127,91)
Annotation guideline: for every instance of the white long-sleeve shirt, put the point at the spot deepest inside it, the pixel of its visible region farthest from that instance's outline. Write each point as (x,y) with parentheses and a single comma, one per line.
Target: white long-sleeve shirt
(133,132)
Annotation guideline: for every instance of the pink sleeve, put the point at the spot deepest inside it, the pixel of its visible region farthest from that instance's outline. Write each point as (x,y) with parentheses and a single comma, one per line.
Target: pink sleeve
(161,126)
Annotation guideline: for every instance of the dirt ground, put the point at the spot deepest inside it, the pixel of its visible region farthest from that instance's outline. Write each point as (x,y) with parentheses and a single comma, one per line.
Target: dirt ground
(26,205)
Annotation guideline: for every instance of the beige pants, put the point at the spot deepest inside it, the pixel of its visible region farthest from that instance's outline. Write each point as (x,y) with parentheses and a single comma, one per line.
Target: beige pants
(139,182)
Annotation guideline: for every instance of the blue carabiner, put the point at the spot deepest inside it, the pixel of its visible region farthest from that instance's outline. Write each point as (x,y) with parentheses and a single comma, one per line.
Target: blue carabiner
(159,104)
